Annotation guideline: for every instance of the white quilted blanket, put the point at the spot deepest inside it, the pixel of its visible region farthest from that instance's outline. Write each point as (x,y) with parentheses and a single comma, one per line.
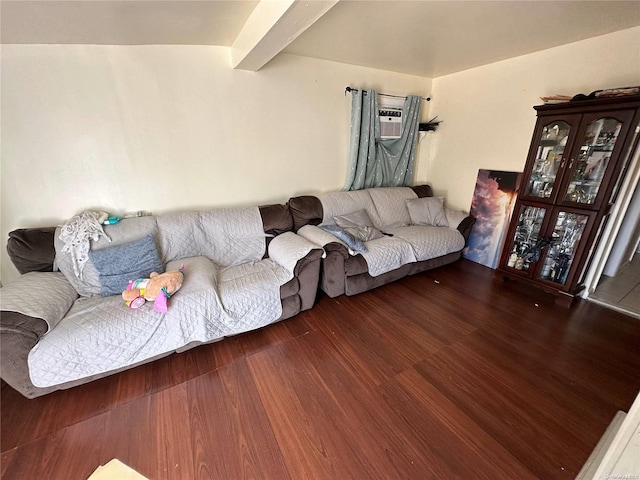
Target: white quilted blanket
(386,254)
(48,296)
(407,245)
(429,242)
(230,236)
(101,334)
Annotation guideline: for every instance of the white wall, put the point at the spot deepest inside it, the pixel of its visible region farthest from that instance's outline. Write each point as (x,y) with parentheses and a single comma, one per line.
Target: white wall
(161,128)
(487,111)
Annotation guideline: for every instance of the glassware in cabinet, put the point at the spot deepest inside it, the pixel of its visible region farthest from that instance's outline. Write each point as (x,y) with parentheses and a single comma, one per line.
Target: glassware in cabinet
(592,160)
(525,239)
(548,159)
(593,157)
(566,234)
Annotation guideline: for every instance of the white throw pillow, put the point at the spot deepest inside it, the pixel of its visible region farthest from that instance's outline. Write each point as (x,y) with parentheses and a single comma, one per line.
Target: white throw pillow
(427,211)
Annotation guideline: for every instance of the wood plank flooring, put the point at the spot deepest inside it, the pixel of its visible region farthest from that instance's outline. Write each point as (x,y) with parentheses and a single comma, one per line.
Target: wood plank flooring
(446,374)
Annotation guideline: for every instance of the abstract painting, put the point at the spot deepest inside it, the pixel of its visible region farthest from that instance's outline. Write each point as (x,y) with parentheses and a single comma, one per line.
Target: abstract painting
(493,200)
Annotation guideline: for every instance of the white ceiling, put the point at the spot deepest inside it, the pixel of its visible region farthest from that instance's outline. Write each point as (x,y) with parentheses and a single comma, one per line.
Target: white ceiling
(433,38)
(427,38)
(123,22)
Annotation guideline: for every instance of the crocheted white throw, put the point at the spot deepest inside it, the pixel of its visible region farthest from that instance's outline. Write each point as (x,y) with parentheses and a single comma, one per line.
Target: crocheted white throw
(76,234)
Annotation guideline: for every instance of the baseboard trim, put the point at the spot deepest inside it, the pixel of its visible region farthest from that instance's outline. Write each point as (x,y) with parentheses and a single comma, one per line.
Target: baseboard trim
(593,462)
(614,307)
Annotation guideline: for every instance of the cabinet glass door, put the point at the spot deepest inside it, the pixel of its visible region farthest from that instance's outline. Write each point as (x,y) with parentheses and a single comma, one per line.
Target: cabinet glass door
(592,161)
(525,238)
(565,239)
(548,159)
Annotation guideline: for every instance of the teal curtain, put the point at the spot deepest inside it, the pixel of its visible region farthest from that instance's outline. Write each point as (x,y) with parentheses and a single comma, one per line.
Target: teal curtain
(380,163)
(365,128)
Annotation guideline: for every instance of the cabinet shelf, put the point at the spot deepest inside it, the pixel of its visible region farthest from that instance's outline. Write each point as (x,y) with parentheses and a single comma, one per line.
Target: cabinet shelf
(601,148)
(578,183)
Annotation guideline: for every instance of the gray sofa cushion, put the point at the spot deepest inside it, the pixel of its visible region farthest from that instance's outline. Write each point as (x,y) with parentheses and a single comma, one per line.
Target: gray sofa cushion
(31,249)
(422,190)
(305,210)
(276,219)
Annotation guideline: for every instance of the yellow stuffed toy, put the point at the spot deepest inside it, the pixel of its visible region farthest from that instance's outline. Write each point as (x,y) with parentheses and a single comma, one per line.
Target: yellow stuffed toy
(159,287)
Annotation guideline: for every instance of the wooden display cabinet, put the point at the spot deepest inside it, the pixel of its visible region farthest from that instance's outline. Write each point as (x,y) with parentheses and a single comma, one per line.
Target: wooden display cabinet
(578,155)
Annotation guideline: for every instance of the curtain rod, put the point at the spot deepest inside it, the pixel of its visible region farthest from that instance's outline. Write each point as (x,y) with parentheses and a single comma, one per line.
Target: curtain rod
(349,89)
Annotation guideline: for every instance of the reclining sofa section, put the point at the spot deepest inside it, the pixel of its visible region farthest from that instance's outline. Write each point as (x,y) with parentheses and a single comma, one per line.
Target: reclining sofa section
(345,271)
(294,262)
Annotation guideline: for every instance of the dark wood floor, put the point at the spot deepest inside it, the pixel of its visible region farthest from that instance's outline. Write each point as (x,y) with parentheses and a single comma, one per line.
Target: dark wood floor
(447,374)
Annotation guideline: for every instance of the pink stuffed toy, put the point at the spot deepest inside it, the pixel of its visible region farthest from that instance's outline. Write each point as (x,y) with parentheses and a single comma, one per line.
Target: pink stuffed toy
(159,287)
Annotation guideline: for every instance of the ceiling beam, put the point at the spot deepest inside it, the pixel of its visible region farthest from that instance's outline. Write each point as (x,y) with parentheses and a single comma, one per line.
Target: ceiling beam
(272,26)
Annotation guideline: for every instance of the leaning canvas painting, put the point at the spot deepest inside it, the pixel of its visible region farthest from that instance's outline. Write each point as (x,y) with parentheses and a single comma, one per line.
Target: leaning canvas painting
(492,205)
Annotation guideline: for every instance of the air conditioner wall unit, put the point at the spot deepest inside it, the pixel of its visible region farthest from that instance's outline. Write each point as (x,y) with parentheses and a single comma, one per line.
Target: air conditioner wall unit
(390,123)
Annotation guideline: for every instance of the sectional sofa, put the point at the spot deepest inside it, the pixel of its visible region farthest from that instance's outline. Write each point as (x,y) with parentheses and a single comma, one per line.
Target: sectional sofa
(244,269)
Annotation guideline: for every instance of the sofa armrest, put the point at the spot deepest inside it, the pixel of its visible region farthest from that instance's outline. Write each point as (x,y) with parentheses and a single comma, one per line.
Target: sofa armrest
(320,237)
(307,271)
(302,259)
(47,296)
(337,249)
(288,248)
(18,335)
(465,226)
(333,273)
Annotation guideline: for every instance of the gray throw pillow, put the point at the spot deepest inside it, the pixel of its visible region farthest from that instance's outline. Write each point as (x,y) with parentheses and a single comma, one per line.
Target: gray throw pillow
(427,211)
(359,225)
(352,242)
(120,264)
